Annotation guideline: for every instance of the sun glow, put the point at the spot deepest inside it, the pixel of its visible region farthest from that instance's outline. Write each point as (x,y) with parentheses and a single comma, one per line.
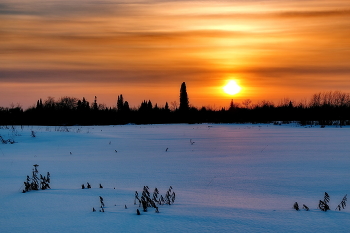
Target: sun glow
(232,88)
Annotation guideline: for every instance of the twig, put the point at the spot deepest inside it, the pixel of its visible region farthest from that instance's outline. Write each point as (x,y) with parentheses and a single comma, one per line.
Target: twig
(211,180)
(264,148)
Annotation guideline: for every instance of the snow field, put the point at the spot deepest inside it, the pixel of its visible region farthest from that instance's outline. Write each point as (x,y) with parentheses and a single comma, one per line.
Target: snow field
(227,178)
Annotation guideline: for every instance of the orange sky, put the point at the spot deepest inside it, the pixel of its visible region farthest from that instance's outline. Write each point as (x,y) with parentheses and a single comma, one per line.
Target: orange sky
(146,49)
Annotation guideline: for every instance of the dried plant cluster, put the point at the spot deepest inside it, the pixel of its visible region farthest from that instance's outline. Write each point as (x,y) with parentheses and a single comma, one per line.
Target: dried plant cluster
(35,182)
(324,204)
(147,201)
(6,141)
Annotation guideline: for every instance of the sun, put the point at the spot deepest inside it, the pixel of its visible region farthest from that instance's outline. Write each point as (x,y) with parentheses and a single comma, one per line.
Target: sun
(232,88)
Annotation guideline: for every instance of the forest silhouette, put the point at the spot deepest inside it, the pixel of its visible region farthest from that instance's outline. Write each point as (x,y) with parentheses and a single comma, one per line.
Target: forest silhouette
(324,108)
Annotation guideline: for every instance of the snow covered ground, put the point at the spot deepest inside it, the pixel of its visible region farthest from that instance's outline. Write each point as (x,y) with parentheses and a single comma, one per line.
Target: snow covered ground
(227,178)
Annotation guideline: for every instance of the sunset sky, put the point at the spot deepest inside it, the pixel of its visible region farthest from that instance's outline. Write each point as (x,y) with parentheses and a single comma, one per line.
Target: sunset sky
(144,50)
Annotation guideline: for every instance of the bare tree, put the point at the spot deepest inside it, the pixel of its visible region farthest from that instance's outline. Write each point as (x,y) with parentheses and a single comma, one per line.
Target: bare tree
(67,103)
(49,102)
(247,103)
(331,99)
(173,106)
(265,104)
(285,102)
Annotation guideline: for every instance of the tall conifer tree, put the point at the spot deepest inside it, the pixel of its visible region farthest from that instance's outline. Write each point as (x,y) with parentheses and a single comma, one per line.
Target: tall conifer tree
(184,103)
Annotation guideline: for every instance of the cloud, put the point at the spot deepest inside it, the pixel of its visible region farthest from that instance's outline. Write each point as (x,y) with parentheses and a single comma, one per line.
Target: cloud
(317,13)
(66,8)
(125,77)
(168,75)
(196,9)
(296,71)
(276,14)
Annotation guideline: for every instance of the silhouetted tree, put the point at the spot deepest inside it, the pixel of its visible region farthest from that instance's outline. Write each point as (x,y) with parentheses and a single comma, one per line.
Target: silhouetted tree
(146,106)
(232,106)
(247,103)
(39,104)
(285,103)
(156,108)
(174,105)
(49,103)
(122,106)
(83,105)
(149,105)
(120,103)
(166,107)
(184,103)
(67,103)
(95,106)
(126,106)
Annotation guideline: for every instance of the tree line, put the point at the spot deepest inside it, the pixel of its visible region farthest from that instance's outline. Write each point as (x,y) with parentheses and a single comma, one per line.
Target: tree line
(324,108)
